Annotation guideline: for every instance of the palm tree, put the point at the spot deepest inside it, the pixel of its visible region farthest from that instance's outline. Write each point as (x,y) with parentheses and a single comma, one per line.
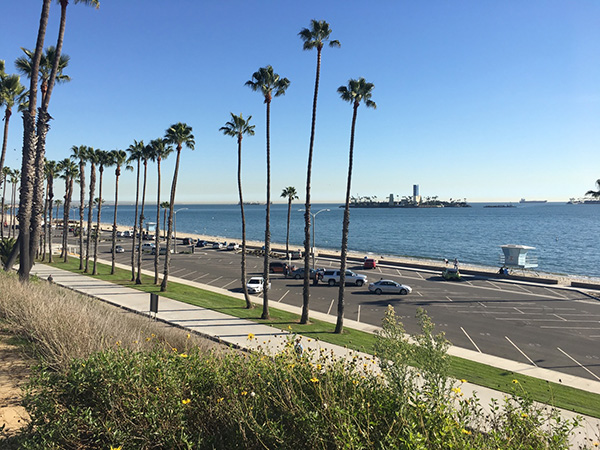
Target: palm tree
(269,84)
(119,158)
(69,172)
(10,90)
(93,158)
(58,202)
(5,174)
(147,154)
(81,153)
(165,206)
(237,128)
(135,154)
(105,160)
(314,37)
(15,177)
(594,194)
(291,194)
(178,134)
(161,150)
(51,171)
(356,92)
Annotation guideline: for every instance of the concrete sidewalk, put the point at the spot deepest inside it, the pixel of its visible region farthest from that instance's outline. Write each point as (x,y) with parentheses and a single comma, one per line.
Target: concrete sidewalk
(235,331)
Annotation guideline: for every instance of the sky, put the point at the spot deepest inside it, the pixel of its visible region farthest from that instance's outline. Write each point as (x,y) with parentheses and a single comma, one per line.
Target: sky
(488,101)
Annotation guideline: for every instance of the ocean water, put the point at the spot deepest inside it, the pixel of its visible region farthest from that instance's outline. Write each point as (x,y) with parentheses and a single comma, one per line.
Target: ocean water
(565,236)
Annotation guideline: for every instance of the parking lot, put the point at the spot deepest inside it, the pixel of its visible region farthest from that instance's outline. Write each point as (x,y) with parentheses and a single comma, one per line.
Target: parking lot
(549,327)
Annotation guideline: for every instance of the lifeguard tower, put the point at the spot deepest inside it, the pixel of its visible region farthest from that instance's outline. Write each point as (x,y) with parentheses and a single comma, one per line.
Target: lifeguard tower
(518,257)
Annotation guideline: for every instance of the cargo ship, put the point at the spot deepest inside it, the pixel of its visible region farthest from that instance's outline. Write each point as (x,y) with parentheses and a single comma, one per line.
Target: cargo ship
(532,201)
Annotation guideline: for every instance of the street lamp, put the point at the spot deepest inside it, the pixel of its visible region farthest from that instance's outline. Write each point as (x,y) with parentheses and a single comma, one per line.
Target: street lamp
(175,227)
(314,217)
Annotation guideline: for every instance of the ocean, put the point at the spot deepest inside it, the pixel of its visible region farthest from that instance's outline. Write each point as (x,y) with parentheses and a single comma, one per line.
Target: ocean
(565,237)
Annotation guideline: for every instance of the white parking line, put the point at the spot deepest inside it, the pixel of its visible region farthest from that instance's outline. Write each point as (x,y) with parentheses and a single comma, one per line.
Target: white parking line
(397,270)
(212,281)
(232,281)
(331,306)
(577,362)
(495,286)
(555,292)
(448,298)
(517,309)
(521,351)
(176,271)
(201,276)
(556,315)
(482,304)
(286,293)
(469,337)
(521,287)
(421,276)
(358,318)
(419,293)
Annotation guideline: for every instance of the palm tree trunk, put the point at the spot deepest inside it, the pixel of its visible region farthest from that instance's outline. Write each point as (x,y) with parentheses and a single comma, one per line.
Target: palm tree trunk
(138,279)
(114,230)
(339,326)
(265,312)
(97,238)
(13,211)
(133,240)
(239,177)
(7,115)
(164,284)
(306,286)
(287,237)
(68,197)
(29,152)
(81,206)
(157,228)
(90,215)
(165,225)
(3,203)
(50,208)
(45,220)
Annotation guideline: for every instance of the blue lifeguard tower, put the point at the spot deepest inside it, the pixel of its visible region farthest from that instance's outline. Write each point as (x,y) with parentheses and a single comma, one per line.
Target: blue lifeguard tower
(518,257)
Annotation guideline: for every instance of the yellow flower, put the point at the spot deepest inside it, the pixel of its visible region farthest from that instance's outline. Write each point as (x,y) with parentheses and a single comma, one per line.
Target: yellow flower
(289,327)
(515,381)
(463,431)
(319,366)
(456,390)
(116,448)
(523,415)
(186,401)
(188,335)
(244,392)
(183,355)
(250,336)
(314,380)
(463,381)
(174,349)
(219,400)
(354,382)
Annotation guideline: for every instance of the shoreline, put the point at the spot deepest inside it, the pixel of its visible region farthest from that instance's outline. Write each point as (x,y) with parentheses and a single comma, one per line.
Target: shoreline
(432,264)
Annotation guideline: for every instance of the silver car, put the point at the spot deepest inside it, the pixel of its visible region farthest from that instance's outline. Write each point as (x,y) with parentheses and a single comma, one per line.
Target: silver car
(389,287)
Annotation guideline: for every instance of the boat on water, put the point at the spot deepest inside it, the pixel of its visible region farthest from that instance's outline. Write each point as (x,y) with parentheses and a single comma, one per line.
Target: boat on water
(532,201)
(583,201)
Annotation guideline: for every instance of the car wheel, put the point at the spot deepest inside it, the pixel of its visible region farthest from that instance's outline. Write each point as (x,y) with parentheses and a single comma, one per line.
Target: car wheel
(331,282)
(271,271)
(378,291)
(403,291)
(297,277)
(359,282)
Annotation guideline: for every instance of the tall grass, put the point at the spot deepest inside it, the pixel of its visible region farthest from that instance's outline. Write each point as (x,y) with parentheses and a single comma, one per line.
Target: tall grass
(62,324)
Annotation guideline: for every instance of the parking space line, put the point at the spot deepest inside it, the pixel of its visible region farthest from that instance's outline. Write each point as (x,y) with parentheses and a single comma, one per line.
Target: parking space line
(521,351)
(216,279)
(397,270)
(469,283)
(482,304)
(201,276)
(556,315)
(448,298)
(517,309)
(330,306)
(419,293)
(358,317)
(176,271)
(469,337)
(578,363)
(421,276)
(521,287)
(232,281)
(286,293)
(495,286)
(556,293)
(572,328)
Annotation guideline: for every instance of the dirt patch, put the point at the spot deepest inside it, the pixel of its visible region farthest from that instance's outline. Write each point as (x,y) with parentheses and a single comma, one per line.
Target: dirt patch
(14,373)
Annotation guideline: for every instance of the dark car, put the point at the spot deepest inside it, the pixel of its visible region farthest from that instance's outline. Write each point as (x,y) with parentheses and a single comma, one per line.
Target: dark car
(278,267)
(187,241)
(201,243)
(299,273)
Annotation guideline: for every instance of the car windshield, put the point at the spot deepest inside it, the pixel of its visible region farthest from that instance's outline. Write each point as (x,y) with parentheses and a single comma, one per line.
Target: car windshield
(254,282)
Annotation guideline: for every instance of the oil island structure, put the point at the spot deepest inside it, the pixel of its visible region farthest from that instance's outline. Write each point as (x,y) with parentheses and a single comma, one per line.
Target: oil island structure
(413,201)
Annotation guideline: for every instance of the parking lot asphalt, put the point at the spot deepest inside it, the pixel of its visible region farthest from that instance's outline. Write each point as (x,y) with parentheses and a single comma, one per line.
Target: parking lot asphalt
(549,327)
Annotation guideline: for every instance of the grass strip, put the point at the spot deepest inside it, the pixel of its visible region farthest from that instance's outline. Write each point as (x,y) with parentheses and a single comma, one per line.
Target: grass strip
(565,397)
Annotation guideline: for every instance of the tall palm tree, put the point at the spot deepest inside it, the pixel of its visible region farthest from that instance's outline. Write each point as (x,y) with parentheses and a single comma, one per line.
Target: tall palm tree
(356,92)
(10,91)
(314,37)
(28,155)
(595,194)
(69,171)
(165,206)
(178,134)
(270,85)
(120,159)
(93,157)
(161,150)
(5,174)
(58,202)
(291,195)
(80,153)
(237,127)
(15,178)
(147,154)
(51,172)
(135,155)
(104,160)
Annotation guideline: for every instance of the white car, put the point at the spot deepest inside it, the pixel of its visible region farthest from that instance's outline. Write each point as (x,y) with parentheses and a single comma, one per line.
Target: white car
(332,277)
(119,249)
(389,287)
(256,285)
(147,247)
(233,246)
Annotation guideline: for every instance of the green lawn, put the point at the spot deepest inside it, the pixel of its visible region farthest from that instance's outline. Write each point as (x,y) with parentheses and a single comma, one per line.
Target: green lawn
(582,402)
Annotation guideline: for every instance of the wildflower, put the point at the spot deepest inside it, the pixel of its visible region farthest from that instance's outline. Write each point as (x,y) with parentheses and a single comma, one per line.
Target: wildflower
(314,380)
(324,405)
(596,444)
(148,339)
(116,448)
(118,343)
(174,349)
(250,336)
(244,392)
(467,432)
(319,366)
(153,335)
(289,327)
(188,336)
(463,381)
(515,381)
(186,401)
(456,390)
(252,394)
(183,355)
(523,415)
(354,382)
(219,400)
(135,342)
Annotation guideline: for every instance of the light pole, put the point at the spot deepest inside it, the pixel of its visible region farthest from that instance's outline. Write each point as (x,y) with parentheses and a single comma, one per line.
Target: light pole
(314,217)
(175,228)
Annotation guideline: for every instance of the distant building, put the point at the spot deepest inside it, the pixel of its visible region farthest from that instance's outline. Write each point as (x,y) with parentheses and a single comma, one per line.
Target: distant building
(416,195)
(391,200)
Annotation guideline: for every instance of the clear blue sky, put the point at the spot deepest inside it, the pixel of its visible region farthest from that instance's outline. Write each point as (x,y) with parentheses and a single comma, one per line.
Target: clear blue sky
(493,100)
